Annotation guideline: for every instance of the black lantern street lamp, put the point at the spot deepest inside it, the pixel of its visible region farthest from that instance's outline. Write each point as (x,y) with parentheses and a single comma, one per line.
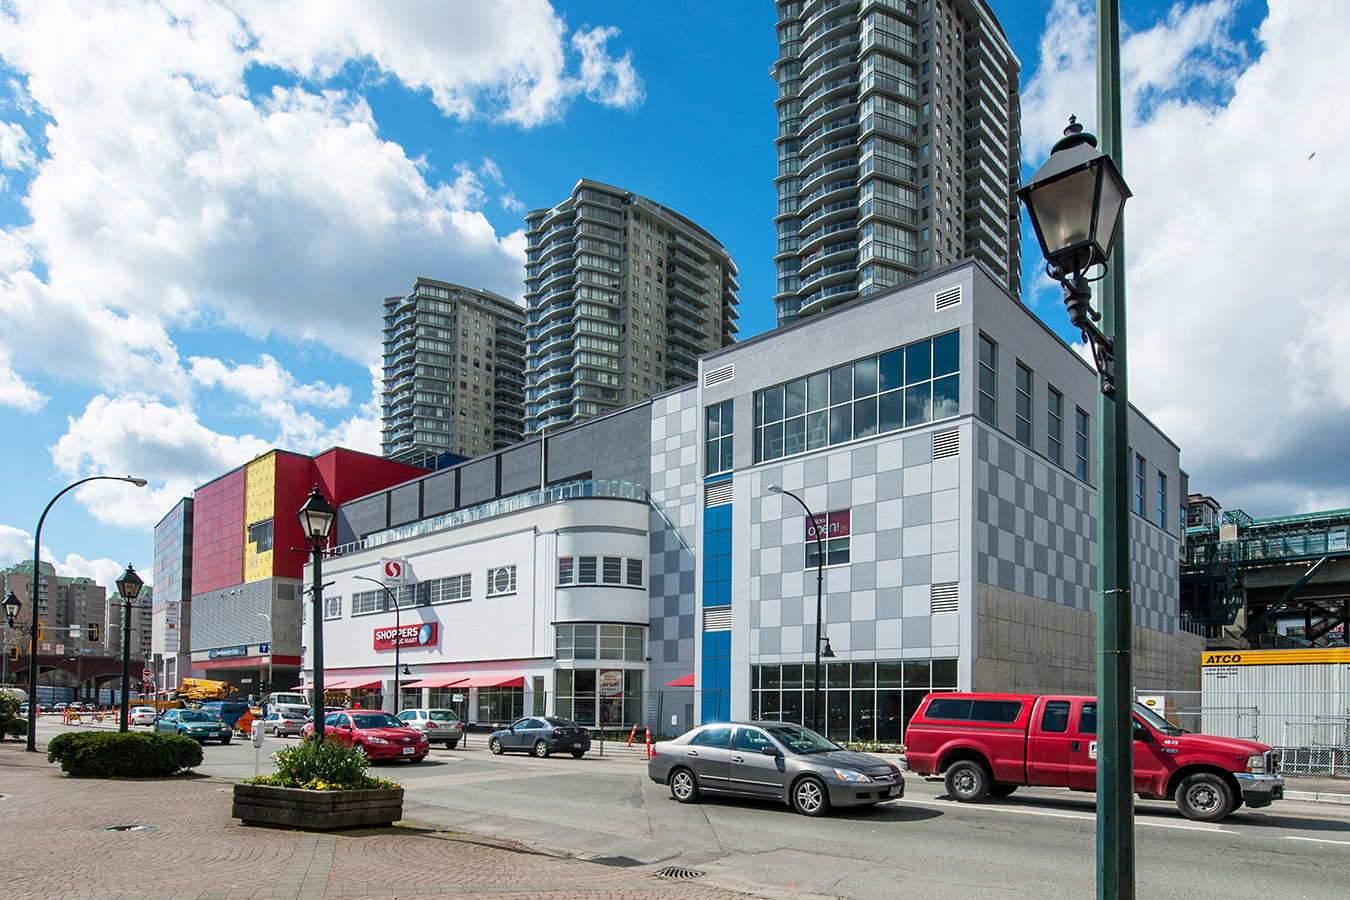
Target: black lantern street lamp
(828,652)
(1075,203)
(316,521)
(129,588)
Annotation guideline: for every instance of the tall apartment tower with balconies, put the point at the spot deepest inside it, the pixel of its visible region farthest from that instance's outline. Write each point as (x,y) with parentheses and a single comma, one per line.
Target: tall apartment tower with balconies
(899,147)
(623,294)
(453,373)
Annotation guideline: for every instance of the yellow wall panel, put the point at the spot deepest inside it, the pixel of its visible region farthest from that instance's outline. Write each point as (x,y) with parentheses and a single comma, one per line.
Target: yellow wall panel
(260,491)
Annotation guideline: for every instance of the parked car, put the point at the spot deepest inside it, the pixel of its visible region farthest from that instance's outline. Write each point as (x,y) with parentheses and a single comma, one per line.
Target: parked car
(990,744)
(780,760)
(228,711)
(284,722)
(542,735)
(194,723)
(142,715)
(377,733)
(439,725)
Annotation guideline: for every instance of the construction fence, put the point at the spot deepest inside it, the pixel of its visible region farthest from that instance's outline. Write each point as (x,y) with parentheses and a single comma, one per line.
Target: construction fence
(1310,733)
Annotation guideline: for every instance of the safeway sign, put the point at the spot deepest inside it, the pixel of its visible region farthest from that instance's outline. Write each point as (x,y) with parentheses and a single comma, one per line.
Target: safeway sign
(394,571)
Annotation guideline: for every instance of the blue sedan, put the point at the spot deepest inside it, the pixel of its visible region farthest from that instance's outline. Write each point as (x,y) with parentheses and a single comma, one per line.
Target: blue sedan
(542,735)
(194,723)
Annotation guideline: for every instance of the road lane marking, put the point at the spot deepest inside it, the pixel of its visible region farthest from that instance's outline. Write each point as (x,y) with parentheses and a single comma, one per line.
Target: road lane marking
(1290,837)
(1209,829)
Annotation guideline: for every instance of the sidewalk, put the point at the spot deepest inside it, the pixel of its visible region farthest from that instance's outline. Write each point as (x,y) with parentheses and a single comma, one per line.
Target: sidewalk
(58,845)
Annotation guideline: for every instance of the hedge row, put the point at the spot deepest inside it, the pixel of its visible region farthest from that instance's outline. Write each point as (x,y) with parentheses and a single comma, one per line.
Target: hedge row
(123,755)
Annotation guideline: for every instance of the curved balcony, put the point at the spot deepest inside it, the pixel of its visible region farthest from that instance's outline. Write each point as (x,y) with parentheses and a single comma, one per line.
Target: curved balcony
(843,166)
(834,69)
(823,30)
(827,215)
(827,298)
(829,132)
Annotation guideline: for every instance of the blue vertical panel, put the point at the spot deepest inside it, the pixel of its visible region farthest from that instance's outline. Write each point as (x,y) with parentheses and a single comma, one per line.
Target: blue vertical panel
(715,681)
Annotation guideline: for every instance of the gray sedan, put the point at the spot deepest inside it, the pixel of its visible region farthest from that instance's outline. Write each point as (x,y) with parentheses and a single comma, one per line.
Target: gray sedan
(780,760)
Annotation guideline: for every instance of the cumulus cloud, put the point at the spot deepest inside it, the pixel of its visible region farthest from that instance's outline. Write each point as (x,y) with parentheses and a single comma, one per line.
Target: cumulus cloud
(1239,307)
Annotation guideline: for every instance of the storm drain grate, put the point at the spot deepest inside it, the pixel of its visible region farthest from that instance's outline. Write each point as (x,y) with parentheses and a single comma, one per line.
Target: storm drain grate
(129,828)
(678,872)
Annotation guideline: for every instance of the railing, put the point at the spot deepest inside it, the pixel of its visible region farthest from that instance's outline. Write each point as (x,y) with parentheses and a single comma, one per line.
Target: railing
(572,490)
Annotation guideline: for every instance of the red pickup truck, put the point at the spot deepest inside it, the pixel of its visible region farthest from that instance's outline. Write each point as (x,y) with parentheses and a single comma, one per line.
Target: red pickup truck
(989,744)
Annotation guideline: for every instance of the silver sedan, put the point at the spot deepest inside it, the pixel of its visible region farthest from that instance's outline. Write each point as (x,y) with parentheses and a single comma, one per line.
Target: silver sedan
(779,760)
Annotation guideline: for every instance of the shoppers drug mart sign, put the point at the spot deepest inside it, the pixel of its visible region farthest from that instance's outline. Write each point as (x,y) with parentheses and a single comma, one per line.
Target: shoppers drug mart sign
(420,634)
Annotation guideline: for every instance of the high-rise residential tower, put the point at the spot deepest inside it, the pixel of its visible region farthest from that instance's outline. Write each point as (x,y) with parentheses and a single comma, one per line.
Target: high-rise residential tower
(899,146)
(453,362)
(623,295)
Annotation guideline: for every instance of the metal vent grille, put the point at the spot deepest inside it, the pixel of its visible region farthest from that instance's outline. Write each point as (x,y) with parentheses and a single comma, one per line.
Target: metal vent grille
(717,618)
(944,598)
(718,493)
(718,376)
(678,872)
(946,443)
(944,299)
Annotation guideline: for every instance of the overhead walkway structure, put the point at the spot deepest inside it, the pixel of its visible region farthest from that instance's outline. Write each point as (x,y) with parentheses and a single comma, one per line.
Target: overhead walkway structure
(1221,559)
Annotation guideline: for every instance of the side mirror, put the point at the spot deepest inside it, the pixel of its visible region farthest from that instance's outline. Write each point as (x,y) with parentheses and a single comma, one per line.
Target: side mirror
(771,750)
(1142,734)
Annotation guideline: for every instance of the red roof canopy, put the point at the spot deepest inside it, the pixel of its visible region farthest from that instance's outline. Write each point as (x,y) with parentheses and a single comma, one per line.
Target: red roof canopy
(686,681)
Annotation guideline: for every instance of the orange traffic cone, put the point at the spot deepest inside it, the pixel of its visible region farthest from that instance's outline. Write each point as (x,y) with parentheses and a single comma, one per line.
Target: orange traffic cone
(649,743)
(632,734)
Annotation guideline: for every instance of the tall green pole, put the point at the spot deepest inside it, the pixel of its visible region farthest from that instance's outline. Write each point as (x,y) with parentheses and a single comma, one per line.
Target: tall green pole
(1115,748)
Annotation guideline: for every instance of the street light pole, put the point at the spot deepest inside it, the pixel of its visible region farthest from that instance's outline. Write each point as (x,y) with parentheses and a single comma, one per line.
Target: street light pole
(129,587)
(33,634)
(820,581)
(398,636)
(316,520)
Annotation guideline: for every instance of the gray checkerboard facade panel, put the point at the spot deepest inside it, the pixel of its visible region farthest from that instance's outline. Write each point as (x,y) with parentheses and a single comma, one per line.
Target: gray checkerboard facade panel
(674,495)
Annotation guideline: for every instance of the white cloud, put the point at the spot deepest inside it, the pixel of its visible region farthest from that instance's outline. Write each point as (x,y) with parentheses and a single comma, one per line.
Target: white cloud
(1239,306)
(16,151)
(16,545)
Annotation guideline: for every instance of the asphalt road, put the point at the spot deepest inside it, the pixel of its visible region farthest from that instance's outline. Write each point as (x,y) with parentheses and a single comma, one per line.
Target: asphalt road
(1037,843)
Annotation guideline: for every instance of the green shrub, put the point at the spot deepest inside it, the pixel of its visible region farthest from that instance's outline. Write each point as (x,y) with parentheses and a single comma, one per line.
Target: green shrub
(10,723)
(119,755)
(326,766)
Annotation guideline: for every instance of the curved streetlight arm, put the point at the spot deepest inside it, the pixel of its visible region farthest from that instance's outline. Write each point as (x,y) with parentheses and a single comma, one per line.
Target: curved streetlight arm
(37,555)
(398,635)
(820,581)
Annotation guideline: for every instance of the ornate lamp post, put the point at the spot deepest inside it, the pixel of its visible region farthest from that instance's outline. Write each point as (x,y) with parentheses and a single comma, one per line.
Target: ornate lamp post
(1075,202)
(316,521)
(129,588)
(820,581)
(33,632)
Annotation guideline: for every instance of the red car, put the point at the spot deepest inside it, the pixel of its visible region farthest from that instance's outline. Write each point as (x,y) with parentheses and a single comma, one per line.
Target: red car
(377,733)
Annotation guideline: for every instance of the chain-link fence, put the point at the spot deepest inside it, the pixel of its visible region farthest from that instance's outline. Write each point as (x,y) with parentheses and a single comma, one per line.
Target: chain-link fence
(1305,743)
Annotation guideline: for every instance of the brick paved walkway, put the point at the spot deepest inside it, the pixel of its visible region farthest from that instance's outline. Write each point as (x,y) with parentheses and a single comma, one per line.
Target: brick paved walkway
(58,846)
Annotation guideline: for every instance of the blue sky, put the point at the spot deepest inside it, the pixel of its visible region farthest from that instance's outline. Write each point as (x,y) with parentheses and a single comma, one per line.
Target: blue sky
(202,204)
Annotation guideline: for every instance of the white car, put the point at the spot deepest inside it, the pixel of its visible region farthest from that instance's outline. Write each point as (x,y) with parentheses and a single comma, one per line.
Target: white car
(441,726)
(142,715)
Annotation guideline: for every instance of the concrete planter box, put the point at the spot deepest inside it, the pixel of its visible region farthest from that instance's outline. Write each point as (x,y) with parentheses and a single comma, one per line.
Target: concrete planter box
(281,807)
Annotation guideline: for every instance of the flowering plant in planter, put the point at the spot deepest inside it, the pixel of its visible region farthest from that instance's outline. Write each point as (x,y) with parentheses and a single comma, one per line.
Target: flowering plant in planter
(321,766)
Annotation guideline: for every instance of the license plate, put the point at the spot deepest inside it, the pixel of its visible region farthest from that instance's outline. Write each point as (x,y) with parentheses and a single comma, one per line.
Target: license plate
(409,751)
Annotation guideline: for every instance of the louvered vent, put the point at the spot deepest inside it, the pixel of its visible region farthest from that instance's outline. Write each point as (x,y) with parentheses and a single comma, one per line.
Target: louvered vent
(717,618)
(949,297)
(718,493)
(944,598)
(717,376)
(946,443)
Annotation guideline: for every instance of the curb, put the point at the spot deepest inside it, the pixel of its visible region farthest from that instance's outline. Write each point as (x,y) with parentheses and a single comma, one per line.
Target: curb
(1315,797)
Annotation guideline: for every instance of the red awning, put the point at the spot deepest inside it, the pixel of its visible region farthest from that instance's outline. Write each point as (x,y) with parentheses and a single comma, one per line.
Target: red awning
(353,684)
(686,681)
(495,681)
(436,681)
(303,687)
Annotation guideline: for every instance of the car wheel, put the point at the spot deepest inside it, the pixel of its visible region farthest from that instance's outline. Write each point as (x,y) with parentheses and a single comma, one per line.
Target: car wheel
(495,745)
(578,754)
(683,786)
(182,732)
(360,748)
(450,745)
(1204,797)
(540,749)
(417,759)
(224,741)
(809,797)
(1001,789)
(968,781)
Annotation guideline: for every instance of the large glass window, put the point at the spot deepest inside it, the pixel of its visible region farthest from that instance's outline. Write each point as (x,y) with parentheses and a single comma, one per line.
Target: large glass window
(718,439)
(1080,446)
(833,529)
(908,386)
(590,641)
(1162,500)
(1139,467)
(864,701)
(605,698)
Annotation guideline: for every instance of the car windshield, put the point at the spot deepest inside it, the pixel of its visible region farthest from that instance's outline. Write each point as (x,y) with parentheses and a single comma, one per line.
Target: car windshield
(1159,724)
(375,720)
(802,740)
(560,723)
(193,715)
(442,715)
